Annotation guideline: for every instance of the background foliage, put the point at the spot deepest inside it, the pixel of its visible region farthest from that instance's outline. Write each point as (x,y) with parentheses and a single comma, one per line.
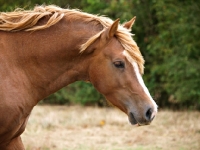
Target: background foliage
(168,34)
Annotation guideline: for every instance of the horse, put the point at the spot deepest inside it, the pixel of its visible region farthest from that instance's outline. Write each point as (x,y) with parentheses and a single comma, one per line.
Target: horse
(46,48)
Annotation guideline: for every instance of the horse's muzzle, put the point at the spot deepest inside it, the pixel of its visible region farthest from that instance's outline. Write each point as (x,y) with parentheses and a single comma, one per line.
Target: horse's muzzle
(142,120)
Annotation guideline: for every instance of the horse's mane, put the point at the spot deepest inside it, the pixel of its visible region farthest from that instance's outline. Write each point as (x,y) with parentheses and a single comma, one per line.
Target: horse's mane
(27,20)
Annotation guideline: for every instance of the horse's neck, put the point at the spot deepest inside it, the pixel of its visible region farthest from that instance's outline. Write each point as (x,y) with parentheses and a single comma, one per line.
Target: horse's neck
(50,58)
(64,63)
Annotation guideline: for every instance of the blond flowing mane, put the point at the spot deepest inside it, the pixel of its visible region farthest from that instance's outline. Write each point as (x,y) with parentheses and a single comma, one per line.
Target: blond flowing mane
(27,20)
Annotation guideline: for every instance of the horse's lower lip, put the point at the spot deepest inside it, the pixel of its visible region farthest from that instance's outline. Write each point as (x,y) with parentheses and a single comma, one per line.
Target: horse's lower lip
(132,119)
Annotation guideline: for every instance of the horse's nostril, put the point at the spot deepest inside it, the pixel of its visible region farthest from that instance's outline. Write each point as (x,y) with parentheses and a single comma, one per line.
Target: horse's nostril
(149,116)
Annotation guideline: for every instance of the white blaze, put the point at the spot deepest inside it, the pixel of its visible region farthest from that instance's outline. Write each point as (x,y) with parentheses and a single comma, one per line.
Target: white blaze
(139,77)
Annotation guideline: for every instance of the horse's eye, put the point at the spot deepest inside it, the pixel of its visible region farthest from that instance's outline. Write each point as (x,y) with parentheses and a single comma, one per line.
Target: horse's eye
(119,64)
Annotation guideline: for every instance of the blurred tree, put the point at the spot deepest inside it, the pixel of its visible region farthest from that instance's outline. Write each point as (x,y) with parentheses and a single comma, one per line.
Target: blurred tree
(77,93)
(175,51)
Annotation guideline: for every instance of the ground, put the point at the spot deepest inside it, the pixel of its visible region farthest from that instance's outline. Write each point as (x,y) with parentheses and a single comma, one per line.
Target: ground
(93,128)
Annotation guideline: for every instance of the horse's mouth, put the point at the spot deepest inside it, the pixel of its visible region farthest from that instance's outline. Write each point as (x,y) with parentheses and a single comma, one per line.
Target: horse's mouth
(132,119)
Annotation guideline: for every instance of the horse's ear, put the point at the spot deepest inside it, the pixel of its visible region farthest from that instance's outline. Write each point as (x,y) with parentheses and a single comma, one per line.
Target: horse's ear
(104,35)
(110,32)
(128,25)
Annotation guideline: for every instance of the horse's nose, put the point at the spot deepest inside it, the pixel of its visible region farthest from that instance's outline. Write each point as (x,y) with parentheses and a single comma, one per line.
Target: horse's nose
(145,118)
(150,114)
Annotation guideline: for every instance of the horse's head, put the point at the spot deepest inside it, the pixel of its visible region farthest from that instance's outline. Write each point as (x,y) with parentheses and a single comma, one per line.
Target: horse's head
(117,75)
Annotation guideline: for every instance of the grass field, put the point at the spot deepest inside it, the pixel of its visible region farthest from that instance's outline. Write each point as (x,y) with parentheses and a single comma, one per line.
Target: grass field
(90,128)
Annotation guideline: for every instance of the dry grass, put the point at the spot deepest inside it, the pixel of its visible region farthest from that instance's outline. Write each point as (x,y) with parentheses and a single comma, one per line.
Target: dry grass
(89,128)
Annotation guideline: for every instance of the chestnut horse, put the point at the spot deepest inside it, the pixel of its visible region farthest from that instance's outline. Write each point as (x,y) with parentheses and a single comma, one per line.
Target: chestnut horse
(45,49)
